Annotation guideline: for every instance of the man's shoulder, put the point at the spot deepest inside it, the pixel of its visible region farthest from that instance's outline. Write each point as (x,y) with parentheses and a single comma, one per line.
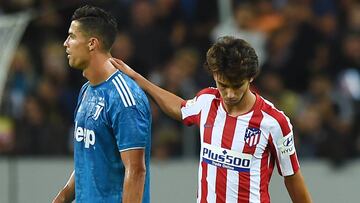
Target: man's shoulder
(123,89)
(278,116)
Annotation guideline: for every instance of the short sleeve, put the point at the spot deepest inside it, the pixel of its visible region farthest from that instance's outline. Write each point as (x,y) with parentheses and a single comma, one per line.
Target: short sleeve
(284,148)
(190,111)
(131,128)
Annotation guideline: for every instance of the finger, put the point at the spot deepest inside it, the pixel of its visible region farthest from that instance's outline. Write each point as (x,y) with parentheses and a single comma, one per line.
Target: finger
(118,60)
(115,63)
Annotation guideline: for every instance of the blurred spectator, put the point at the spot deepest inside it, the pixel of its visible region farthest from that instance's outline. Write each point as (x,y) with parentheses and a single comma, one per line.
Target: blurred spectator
(21,79)
(177,77)
(242,25)
(325,119)
(7,135)
(273,89)
(36,134)
(147,36)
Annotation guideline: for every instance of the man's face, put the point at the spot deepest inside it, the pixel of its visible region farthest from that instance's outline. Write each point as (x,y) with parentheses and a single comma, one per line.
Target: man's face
(77,48)
(231,93)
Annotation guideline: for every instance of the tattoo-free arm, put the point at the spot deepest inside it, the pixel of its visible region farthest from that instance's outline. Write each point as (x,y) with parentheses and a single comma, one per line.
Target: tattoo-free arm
(67,193)
(296,188)
(135,171)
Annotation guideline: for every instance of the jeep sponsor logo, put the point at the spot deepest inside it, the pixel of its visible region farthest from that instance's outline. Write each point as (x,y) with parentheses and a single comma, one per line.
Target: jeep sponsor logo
(84,135)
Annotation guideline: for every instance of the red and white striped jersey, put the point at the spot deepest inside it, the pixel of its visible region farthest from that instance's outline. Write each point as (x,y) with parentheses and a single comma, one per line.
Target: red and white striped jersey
(238,154)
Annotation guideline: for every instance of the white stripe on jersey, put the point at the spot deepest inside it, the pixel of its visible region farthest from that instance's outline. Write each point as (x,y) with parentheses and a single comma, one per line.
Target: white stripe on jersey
(123,90)
(128,89)
(255,168)
(216,139)
(205,108)
(120,92)
(131,148)
(232,186)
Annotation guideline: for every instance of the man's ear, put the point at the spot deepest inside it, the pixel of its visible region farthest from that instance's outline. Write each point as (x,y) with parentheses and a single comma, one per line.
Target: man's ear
(93,43)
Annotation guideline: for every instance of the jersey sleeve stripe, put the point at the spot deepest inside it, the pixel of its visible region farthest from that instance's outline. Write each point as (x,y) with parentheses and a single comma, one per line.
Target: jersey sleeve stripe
(131,148)
(123,91)
(127,89)
(120,93)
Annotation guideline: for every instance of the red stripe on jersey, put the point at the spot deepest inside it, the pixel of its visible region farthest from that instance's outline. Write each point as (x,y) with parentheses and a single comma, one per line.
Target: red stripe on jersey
(208,128)
(265,177)
(273,153)
(220,187)
(244,178)
(194,119)
(244,187)
(294,162)
(280,117)
(254,122)
(221,173)
(272,156)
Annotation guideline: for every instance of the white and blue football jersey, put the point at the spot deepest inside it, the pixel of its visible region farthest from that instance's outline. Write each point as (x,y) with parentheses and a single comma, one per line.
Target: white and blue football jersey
(111,117)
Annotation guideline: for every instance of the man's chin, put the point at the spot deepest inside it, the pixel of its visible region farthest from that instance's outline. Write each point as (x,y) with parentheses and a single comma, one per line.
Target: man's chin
(231,102)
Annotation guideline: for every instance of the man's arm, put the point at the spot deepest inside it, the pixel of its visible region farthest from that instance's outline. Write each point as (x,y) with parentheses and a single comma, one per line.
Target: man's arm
(67,194)
(168,102)
(296,188)
(135,171)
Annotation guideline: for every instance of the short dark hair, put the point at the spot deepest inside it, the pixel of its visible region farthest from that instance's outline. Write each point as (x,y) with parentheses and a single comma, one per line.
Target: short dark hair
(95,21)
(232,58)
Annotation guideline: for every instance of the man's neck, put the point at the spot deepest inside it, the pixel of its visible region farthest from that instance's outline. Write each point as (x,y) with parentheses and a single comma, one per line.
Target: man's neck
(99,69)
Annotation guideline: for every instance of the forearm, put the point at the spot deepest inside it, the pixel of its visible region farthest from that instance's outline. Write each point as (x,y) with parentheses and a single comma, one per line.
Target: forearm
(134,186)
(297,189)
(67,193)
(168,102)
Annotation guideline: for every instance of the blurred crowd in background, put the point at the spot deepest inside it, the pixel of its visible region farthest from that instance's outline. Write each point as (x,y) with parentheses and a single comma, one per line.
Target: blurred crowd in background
(309,53)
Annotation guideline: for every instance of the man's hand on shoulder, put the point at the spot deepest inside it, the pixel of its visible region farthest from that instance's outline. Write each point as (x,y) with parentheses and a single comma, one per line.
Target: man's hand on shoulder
(123,67)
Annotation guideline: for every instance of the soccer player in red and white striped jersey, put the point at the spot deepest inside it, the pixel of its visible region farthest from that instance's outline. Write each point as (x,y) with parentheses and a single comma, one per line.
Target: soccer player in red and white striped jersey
(242,134)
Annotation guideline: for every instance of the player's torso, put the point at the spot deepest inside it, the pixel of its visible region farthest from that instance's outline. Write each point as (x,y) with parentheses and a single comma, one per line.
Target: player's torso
(234,155)
(98,167)
(92,128)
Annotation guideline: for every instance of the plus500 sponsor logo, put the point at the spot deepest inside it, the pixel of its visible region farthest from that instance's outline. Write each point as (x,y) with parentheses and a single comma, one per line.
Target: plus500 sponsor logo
(85,135)
(226,158)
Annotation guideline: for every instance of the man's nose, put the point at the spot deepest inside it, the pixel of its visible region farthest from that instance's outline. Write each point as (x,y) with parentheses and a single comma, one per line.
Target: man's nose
(65,42)
(230,93)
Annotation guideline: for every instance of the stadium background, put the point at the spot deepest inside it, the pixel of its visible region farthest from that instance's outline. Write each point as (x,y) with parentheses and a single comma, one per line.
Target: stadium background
(309,52)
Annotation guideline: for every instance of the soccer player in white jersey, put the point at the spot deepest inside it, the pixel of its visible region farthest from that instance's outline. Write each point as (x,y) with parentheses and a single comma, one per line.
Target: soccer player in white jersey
(242,135)
(112,119)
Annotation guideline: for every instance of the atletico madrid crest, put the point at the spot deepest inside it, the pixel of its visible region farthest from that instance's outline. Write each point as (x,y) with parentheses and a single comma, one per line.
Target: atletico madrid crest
(252,136)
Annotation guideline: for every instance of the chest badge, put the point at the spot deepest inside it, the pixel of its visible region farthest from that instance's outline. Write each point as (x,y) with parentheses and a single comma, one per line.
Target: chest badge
(252,136)
(99,107)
